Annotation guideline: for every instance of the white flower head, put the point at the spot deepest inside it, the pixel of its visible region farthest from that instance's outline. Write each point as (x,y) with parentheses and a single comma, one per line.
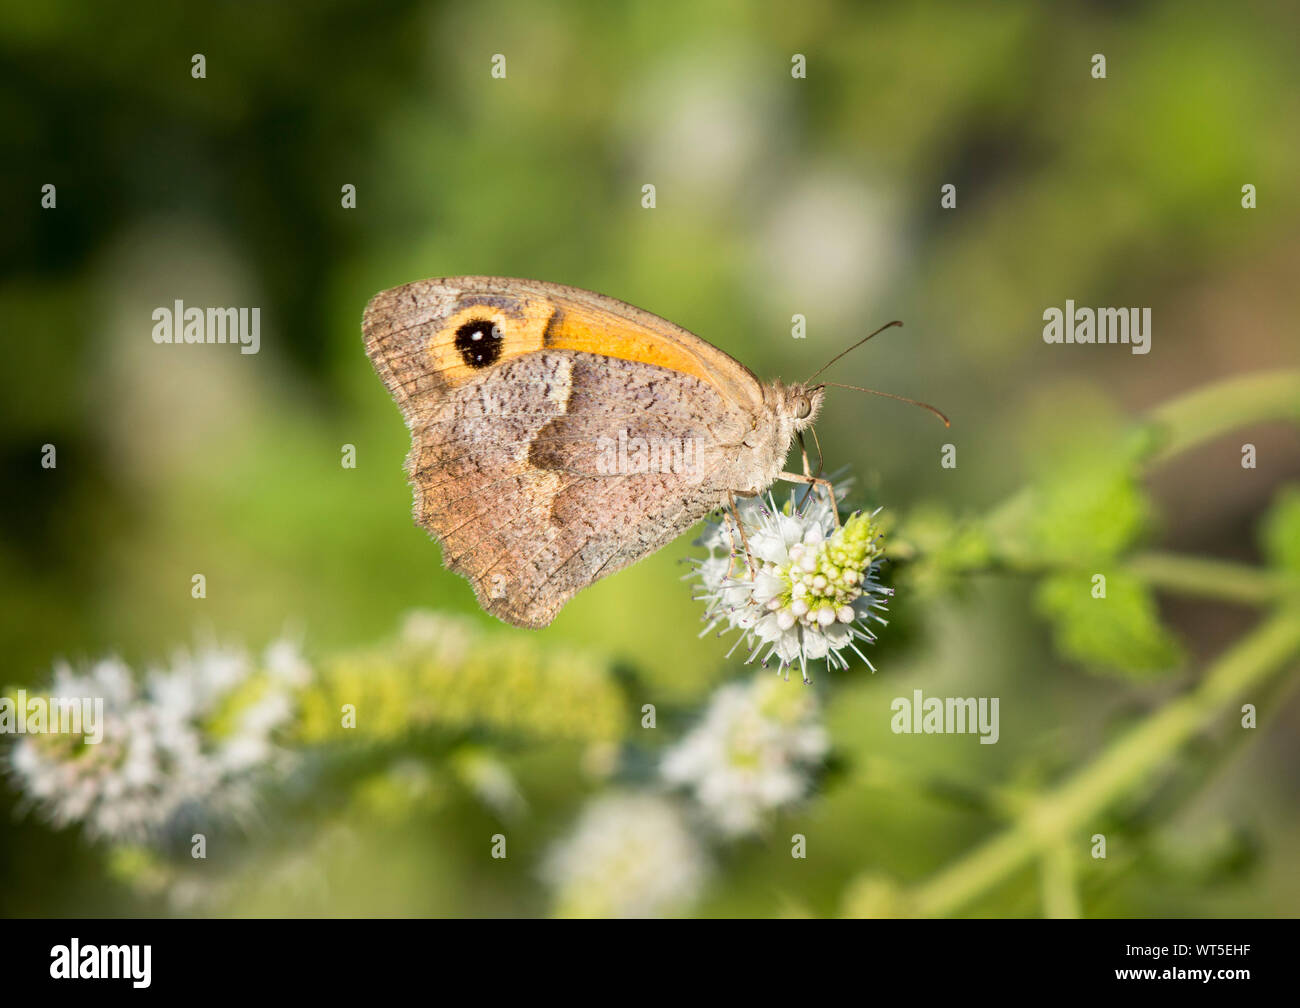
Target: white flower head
(182,745)
(796,584)
(631,854)
(753,752)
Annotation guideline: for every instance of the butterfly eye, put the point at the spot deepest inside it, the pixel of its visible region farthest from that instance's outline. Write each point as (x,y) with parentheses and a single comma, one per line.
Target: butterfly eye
(802,408)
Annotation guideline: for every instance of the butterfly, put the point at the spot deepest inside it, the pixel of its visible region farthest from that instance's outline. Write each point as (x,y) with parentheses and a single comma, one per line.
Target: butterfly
(558,435)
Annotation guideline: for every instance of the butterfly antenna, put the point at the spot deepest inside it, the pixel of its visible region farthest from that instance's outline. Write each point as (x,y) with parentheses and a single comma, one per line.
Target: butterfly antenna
(859,343)
(890,395)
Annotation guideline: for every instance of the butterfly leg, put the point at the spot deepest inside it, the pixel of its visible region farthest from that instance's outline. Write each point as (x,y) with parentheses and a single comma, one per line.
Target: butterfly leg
(744,540)
(807,469)
(814,482)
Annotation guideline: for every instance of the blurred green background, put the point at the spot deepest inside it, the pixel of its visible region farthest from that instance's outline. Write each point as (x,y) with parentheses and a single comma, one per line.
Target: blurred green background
(775,196)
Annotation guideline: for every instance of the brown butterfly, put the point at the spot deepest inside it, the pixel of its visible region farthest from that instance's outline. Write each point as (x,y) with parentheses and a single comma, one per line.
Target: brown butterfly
(559,435)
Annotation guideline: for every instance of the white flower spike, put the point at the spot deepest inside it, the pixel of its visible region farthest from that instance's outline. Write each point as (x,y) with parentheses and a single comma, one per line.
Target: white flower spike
(754,751)
(180,745)
(807,590)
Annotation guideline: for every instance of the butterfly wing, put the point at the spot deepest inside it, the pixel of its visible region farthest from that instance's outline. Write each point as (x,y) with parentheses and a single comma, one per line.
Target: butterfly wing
(557,435)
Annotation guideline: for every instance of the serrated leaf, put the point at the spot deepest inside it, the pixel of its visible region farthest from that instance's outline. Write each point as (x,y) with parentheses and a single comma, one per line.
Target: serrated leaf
(1089,511)
(1118,634)
(1096,512)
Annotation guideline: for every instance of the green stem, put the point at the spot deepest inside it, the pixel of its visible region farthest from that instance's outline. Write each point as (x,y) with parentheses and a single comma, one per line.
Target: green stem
(1171,572)
(1236,402)
(1060,882)
(1219,579)
(1065,812)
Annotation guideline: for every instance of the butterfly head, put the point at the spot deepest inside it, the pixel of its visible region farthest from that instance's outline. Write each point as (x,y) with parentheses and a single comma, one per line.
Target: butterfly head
(800,404)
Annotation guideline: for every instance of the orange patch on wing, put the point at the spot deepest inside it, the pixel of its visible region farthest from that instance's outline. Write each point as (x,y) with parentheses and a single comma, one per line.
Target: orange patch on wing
(596,332)
(530,324)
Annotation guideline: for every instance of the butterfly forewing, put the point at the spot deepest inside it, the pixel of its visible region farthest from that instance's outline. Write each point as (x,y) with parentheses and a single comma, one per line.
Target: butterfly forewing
(540,464)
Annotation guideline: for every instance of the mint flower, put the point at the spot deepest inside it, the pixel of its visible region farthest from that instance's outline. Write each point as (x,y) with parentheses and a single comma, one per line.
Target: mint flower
(182,745)
(630,854)
(806,590)
(754,751)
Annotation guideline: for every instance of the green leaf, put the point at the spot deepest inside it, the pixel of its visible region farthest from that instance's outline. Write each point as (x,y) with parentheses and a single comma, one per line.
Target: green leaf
(1118,634)
(1089,509)
(944,546)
